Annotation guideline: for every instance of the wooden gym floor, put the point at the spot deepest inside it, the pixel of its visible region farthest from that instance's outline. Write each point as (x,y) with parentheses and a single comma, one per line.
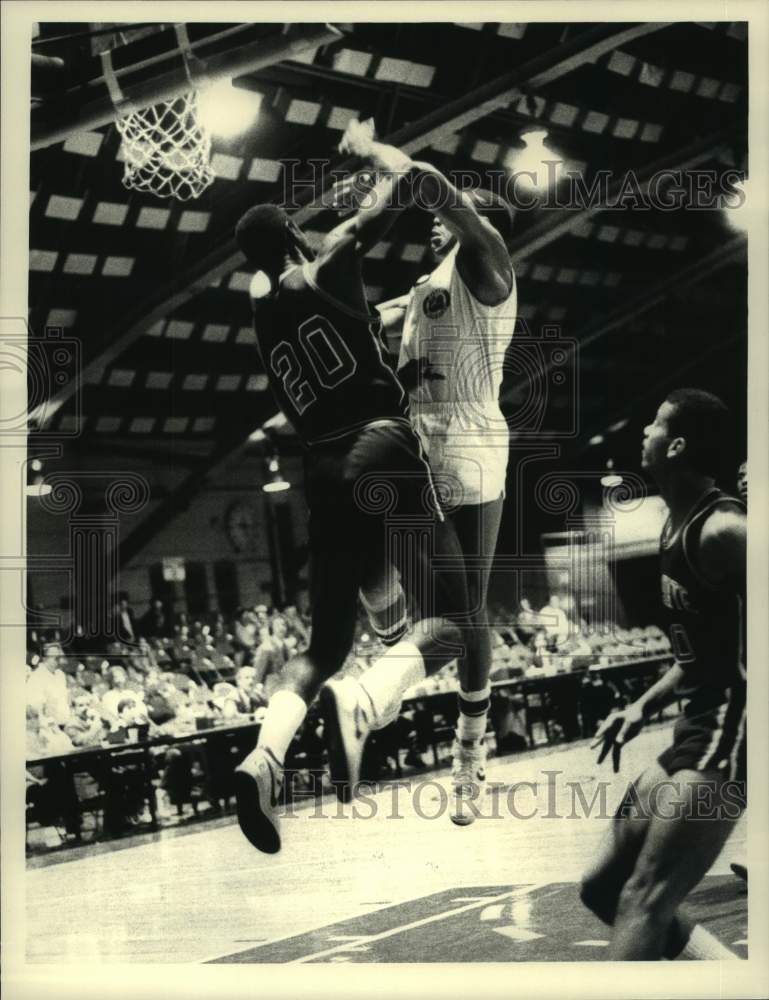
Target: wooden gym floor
(387,886)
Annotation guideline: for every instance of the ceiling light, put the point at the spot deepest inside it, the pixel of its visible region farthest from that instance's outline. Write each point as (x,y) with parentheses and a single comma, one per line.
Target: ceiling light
(536,167)
(38,488)
(276,483)
(226,110)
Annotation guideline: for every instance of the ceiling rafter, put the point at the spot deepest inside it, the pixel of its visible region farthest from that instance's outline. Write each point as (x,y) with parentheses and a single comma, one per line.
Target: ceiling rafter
(648,298)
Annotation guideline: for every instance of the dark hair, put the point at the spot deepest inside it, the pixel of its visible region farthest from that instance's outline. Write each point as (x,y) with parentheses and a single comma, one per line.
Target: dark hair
(704,422)
(499,212)
(262,236)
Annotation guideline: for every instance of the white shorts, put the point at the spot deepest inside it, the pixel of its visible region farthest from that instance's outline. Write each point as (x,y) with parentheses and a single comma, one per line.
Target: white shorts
(470,469)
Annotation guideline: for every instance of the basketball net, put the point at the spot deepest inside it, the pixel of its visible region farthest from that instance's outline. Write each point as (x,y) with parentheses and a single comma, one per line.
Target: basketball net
(166,149)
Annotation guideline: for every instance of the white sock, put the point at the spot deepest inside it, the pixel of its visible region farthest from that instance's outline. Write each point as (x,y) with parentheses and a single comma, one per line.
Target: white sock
(703,945)
(285,714)
(473,726)
(393,673)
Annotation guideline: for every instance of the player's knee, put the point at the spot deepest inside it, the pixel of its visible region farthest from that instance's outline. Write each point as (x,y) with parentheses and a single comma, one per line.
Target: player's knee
(438,631)
(645,895)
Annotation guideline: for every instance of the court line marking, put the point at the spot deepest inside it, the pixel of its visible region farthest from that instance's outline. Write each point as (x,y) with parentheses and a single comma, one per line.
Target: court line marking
(319,927)
(356,938)
(522,891)
(292,934)
(468,899)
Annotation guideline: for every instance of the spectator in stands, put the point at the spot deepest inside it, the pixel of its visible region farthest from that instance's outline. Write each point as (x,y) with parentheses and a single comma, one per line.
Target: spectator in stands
(245,694)
(554,620)
(271,654)
(47,685)
(131,714)
(576,650)
(501,659)
(84,726)
(119,688)
(527,622)
(182,649)
(51,791)
(279,631)
(156,622)
(296,625)
(245,633)
(225,701)
(160,710)
(45,737)
(125,620)
(219,629)
(540,661)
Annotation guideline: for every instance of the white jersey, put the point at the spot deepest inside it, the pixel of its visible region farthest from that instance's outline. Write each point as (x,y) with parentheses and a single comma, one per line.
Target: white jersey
(457,345)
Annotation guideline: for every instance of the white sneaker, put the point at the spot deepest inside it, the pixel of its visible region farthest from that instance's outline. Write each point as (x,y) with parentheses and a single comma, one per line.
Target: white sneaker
(468,779)
(347,720)
(258,784)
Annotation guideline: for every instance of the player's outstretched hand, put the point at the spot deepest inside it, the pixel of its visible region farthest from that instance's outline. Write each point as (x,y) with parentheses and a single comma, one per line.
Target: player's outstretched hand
(358,138)
(349,193)
(617,730)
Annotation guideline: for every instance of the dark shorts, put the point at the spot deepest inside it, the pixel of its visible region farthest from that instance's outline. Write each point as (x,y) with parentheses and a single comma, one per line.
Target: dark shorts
(373,504)
(713,741)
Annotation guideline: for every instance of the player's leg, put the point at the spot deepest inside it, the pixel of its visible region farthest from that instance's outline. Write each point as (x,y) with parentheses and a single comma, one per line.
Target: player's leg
(384,601)
(618,851)
(408,536)
(335,577)
(352,708)
(681,843)
(477,528)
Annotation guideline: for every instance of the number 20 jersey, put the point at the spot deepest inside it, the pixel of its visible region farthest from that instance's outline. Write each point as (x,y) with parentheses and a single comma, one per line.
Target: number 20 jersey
(325,361)
(706,624)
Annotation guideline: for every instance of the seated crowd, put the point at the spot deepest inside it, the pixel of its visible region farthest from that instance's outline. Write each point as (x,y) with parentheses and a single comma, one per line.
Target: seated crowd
(165,683)
(162,684)
(173,677)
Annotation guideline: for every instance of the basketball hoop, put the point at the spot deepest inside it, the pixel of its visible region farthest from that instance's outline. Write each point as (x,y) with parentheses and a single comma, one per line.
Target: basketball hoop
(167,150)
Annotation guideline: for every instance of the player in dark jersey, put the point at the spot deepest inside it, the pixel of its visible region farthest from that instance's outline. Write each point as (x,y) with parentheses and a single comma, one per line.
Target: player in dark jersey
(368,487)
(678,814)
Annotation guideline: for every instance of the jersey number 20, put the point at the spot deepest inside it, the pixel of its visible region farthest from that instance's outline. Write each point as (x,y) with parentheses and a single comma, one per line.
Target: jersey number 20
(323,352)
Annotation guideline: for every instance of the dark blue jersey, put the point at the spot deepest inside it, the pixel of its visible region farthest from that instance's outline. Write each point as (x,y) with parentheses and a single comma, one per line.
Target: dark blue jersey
(325,360)
(705,622)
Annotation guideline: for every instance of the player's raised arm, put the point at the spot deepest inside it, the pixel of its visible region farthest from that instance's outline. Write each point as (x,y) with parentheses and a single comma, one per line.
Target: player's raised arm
(380,206)
(483,259)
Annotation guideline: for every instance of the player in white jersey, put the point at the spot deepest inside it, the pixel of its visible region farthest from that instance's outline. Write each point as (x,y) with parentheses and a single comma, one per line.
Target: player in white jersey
(458,323)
